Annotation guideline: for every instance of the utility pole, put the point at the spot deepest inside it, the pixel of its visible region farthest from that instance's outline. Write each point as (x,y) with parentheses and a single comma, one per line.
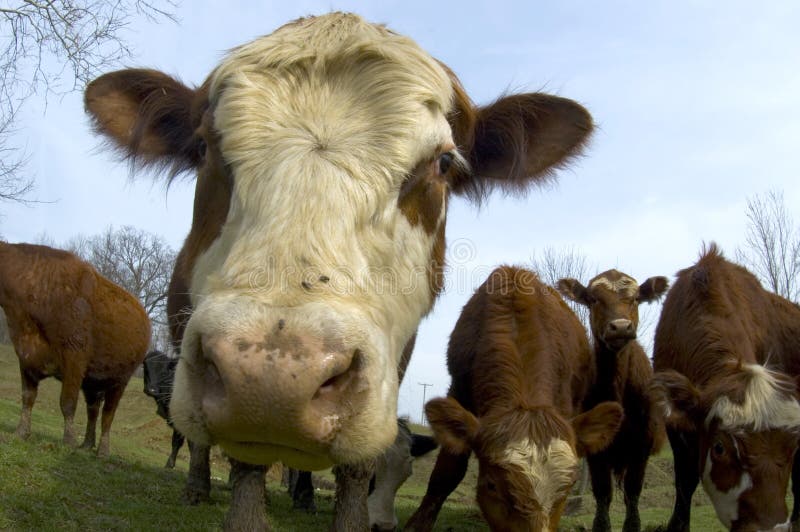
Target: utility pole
(424,389)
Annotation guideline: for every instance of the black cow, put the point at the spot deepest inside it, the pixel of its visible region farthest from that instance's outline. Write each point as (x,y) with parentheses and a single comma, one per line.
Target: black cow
(159,373)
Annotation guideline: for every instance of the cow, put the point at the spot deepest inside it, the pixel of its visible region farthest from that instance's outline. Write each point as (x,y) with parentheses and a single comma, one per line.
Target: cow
(159,374)
(69,322)
(392,469)
(623,374)
(521,367)
(325,154)
(726,359)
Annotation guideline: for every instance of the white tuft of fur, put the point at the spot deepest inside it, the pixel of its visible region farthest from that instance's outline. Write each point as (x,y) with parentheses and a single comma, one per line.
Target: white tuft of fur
(767,405)
(626,286)
(551,470)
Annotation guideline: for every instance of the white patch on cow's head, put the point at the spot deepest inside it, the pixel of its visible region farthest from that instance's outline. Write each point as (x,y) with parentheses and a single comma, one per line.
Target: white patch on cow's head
(726,503)
(551,470)
(767,405)
(625,286)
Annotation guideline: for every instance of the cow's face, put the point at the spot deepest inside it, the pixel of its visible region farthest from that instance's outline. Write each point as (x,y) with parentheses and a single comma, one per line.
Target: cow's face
(324,153)
(613,300)
(527,457)
(746,426)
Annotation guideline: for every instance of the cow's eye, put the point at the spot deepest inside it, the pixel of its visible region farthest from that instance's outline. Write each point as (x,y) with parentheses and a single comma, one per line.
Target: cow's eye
(445,162)
(718,449)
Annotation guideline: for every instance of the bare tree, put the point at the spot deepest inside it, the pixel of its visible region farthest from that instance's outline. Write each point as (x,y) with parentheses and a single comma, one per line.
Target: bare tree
(772,245)
(138,261)
(55,47)
(554,264)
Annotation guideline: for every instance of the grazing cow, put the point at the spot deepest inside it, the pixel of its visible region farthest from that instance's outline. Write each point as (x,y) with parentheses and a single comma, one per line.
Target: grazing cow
(623,374)
(392,469)
(726,355)
(521,367)
(69,322)
(325,153)
(159,374)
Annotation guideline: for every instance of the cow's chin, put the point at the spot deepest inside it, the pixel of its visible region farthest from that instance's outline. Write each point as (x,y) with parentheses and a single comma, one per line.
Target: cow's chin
(268,453)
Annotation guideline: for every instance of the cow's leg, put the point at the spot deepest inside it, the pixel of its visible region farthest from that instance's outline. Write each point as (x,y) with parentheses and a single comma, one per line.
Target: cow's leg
(94,399)
(70,390)
(177,443)
(30,386)
(198,482)
(632,488)
(112,398)
(352,489)
(687,476)
(248,499)
(303,492)
(447,474)
(600,473)
(796,491)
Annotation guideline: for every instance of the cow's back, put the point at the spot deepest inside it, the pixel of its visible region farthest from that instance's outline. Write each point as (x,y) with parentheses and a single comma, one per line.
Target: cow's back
(717,308)
(514,306)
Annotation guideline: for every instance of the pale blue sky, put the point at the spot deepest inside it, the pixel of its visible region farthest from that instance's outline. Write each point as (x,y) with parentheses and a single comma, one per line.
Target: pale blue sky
(697,103)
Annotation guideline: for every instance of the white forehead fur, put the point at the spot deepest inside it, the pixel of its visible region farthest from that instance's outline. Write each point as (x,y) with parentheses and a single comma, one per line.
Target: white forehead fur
(624,285)
(551,470)
(767,405)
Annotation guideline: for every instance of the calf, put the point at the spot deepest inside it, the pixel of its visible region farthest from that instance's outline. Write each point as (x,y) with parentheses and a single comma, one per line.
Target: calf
(325,155)
(159,374)
(521,368)
(68,321)
(623,374)
(727,353)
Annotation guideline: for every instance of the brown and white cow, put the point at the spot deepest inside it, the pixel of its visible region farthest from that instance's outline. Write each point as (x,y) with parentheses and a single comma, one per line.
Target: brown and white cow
(325,153)
(726,356)
(623,374)
(521,367)
(68,321)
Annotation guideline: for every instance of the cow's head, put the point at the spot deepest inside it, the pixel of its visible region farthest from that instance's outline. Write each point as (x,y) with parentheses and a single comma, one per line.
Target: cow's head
(746,421)
(392,469)
(613,301)
(527,457)
(325,153)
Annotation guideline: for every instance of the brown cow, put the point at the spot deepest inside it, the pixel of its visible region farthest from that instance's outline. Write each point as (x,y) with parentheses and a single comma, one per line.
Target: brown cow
(325,153)
(68,321)
(623,374)
(726,353)
(521,367)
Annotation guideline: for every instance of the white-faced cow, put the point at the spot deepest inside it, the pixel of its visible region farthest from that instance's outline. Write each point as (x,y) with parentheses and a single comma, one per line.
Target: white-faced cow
(521,367)
(325,154)
(727,354)
(68,321)
(623,374)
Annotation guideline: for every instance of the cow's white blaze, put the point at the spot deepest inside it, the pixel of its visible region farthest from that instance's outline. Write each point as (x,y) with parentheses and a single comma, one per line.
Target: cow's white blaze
(726,503)
(551,469)
(767,405)
(626,286)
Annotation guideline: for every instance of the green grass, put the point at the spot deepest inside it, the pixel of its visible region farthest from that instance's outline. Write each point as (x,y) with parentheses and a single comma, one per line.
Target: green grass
(47,486)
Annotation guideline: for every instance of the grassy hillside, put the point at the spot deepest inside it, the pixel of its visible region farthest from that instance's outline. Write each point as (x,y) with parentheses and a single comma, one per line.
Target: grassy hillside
(46,486)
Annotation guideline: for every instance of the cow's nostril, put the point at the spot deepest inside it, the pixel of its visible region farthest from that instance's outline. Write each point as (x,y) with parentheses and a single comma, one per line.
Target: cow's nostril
(340,379)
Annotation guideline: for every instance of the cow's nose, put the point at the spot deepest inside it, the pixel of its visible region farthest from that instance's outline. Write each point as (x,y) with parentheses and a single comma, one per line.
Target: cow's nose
(620,329)
(294,389)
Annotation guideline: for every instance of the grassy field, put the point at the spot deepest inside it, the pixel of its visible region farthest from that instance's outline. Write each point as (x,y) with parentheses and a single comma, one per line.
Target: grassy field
(46,486)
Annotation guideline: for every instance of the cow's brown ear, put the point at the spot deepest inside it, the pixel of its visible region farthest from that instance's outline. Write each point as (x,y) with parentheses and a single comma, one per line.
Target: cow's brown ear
(678,399)
(453,426)
(572,289)
(150,116)
(652,289)
(596,429)
(517,140)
